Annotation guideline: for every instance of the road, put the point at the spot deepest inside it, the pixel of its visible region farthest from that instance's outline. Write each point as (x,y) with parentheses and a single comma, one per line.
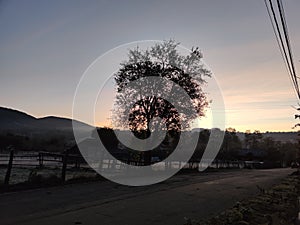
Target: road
(194,196)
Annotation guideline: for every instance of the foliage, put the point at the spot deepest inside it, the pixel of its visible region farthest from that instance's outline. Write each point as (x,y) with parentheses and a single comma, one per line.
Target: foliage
(252,139)
(231,145)
(203,137)
(48,141)
(276,151)
(277,205)
(161,60)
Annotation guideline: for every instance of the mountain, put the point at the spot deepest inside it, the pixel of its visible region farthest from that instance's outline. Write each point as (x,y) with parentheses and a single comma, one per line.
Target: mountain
(11,119)
(16,121)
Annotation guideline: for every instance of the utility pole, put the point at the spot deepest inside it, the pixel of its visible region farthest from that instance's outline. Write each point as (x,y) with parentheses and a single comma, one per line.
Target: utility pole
(297,116)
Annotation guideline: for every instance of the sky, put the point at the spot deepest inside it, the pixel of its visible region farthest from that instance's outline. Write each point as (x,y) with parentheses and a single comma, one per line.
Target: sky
(46,46)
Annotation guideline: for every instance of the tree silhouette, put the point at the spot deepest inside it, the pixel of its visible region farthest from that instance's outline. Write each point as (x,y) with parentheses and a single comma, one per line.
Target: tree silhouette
(161,60)
(231,145)
(231,139)
(252,139)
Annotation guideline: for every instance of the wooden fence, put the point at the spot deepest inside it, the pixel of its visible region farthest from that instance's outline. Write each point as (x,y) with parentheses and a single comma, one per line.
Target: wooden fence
(64,160)
(39,160)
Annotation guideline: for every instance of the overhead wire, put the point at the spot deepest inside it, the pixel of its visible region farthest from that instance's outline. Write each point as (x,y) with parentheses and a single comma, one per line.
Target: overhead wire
(285,53)
(278,35)
(288,43)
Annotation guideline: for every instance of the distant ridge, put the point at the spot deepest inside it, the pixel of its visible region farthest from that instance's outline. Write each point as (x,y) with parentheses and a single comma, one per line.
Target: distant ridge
(12,120)
(289,136)
(16,121)
(276,136)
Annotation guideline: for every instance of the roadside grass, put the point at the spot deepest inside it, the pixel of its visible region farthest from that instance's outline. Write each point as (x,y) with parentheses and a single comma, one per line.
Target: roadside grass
(24,178)
(276,206)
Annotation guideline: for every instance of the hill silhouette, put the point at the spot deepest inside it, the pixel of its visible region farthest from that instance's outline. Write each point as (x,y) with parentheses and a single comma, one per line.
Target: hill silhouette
(18,122)
(15,121)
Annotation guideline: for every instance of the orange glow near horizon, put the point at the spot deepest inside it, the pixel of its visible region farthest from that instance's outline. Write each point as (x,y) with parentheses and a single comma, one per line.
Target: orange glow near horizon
(44,60)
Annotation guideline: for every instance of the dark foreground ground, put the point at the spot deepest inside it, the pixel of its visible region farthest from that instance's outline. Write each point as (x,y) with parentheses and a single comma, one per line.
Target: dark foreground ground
(193,196)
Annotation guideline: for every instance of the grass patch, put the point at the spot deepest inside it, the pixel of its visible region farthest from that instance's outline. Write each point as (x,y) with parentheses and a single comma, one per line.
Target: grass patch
(278,205)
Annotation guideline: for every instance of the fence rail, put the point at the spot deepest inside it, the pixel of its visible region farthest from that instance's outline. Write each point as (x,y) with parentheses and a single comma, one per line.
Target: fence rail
(65,160)
(39,160)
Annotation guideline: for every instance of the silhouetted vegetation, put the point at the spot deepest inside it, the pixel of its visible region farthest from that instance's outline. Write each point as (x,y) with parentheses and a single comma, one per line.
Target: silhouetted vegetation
(48,141)
(161,60)
(255,147)
(164,61)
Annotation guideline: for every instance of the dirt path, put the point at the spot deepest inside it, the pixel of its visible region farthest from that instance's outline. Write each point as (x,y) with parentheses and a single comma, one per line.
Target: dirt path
(192,196)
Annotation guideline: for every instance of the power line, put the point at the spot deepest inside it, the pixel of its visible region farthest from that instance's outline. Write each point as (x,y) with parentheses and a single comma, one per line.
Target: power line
(285,29)
(278,34)
(284,45)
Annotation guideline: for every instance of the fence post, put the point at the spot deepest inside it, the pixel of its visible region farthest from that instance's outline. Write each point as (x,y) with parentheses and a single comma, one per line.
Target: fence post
(77,162)
(9,167)
(64,166)
(41,159)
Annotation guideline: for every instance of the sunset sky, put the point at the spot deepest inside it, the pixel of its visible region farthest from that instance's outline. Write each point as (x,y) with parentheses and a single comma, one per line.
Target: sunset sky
(45,47)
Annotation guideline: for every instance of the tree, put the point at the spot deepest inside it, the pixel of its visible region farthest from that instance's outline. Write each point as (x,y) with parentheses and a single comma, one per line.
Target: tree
(271,149)
(252,140)
(231,145)
(161,60)
(231,140)
(202,143)
(289,151)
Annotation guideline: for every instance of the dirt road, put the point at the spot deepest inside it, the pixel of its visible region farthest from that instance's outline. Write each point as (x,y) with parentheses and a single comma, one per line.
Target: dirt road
(192,196)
